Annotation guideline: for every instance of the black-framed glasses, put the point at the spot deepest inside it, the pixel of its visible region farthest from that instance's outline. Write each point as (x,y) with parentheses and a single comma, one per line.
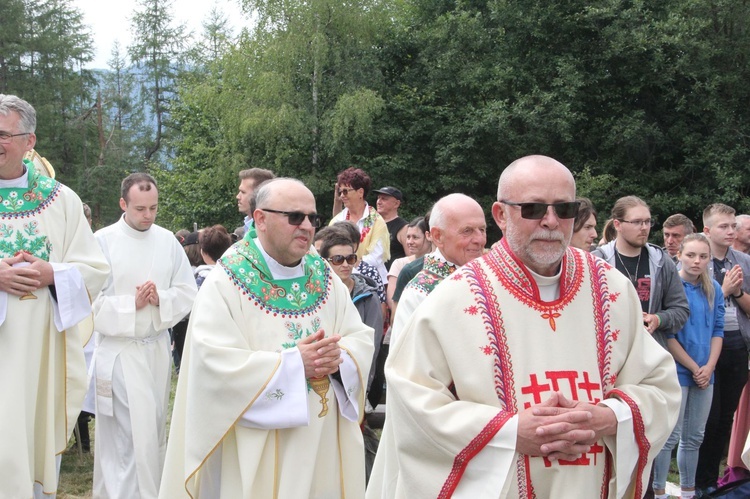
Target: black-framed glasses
(339,259)
(297,217)
(536,211)
(5,138)
(639,223)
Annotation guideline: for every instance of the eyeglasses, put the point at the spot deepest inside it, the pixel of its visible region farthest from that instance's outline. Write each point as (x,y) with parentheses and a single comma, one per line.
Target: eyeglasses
(339,259)
(536,211)
(639,223)
(5,138)
(345,192)
(297,217)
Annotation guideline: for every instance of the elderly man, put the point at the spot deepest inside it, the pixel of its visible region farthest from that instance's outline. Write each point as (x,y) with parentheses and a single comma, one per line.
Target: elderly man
(151,289)
(742,239)
(271,390)
(674,230)
(527,372)
(49,266)
(459,231)
(250,179)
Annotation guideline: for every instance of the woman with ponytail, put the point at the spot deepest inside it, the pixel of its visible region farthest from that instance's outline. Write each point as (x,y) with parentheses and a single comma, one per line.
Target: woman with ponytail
(695,348)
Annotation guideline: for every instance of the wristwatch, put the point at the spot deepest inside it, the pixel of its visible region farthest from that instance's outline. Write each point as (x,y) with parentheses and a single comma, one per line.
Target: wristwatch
(742,293)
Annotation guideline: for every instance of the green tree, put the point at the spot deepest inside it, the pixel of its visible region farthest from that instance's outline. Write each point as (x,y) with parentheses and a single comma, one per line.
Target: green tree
(157,51)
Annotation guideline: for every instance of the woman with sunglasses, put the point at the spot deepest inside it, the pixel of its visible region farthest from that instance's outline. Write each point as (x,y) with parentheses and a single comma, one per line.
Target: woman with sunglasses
(336,248)
(352,187)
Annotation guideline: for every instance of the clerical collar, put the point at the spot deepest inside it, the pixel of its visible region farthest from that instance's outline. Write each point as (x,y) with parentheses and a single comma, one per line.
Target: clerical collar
(549,286)
(279,271)
(22,181)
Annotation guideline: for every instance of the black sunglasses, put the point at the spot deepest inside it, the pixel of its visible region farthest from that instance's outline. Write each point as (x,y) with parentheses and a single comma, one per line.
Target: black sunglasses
(339,259)
(536,211)
(297,217)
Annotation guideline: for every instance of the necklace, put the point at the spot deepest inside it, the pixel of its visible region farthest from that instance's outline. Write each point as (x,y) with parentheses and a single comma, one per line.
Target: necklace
(633,278)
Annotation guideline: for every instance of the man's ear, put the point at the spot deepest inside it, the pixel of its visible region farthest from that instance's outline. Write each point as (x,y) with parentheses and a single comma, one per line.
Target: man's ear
(498,214)
(123,204)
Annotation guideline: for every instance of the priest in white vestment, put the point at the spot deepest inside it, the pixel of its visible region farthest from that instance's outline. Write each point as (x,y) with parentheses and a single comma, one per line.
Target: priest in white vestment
(49,266)
(527,372)
(151,289)
(271,388)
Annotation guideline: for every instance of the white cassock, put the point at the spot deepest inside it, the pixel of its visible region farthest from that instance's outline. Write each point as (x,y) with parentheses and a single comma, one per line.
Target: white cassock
(132,362)
(246,423)
(43,374)
(493,339)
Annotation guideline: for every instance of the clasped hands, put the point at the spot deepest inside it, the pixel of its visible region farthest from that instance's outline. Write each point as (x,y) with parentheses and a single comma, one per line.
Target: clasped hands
(146,294)
(321,356)
(24,279)
(559,428)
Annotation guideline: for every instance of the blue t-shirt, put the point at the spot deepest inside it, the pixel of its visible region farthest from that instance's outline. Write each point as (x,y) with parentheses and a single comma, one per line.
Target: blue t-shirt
(703,324)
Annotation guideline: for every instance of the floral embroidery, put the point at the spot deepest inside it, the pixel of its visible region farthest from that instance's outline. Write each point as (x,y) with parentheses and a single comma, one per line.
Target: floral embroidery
(297,332)
(487,349)
(615,334)
(277,395)
(296,297)
(367,223)
(614,297)
(25,202)
(516,279)
(24,241)
(471,310)
(433,273)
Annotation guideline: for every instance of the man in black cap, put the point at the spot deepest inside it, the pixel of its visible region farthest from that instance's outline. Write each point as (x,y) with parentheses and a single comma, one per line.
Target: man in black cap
(389,200)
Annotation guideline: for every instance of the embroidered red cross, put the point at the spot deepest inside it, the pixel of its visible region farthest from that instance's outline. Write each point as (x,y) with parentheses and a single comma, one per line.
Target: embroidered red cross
(536,389)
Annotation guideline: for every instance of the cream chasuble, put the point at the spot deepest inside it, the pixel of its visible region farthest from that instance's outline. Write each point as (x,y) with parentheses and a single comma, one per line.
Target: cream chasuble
(43,372)
(484,346)
(242,328)
(133,356)
(435,269)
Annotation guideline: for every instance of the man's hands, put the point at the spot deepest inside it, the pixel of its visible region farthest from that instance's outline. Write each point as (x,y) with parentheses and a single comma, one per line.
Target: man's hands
(146,294)
(651,321)
(32,273)
(321,356)
(732,281)
(559,428)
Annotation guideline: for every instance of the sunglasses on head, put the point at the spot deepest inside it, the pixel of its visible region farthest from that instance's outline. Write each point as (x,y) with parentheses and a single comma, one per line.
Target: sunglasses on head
(297,217)
(339,259)
(536,211)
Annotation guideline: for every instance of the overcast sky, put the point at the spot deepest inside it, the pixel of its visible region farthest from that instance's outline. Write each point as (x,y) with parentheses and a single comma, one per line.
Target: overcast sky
(109,20)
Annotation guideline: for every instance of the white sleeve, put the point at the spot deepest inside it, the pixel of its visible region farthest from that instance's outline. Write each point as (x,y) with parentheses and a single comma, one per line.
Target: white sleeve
(486,473)
(622,445)
(72,304)
(283,404)
(347,395)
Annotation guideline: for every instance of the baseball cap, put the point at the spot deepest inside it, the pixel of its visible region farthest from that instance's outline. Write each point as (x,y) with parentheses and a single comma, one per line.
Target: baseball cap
(390,191)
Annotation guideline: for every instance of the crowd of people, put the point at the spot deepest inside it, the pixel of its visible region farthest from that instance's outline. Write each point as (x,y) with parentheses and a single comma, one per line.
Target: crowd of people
(548,365)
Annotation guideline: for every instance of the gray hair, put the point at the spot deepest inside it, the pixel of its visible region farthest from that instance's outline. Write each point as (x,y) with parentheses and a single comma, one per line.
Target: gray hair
(438,214)
(9,103)
(263,194)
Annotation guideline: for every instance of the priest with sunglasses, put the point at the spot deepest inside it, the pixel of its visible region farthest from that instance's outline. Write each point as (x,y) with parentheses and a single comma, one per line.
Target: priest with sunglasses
(527,372)
(271,388)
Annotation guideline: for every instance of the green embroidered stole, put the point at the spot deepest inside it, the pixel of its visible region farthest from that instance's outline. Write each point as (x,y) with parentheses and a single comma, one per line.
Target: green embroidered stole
(432,274)
(19,206)
(291,298)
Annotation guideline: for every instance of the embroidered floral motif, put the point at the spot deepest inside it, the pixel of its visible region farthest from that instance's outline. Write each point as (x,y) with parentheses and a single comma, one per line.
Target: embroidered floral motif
(24,241)
(615,334)
(277,395)
(432,274)
(487,349)
(516,279)
(24,202)
(367,223)
(614,297)
(297,332)
(471,310)
(286,297)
